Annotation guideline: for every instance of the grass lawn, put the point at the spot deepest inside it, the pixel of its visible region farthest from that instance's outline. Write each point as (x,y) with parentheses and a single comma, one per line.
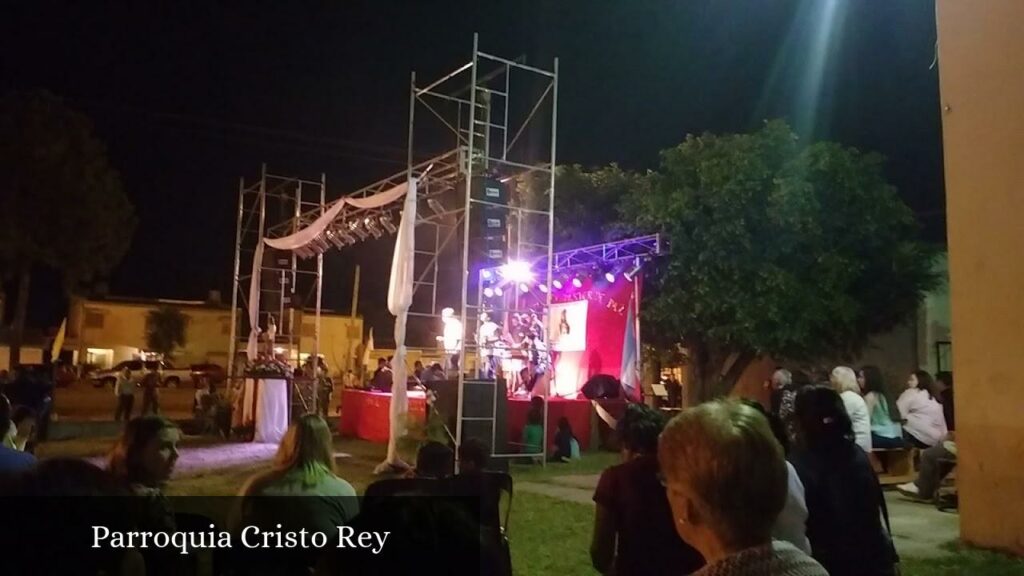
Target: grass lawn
(548,535)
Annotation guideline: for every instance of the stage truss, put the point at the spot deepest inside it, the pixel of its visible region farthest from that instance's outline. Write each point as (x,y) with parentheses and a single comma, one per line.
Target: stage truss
(500,117)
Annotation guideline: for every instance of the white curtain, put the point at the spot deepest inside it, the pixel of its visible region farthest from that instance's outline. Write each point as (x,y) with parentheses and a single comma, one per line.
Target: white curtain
(400,292)
(254,304)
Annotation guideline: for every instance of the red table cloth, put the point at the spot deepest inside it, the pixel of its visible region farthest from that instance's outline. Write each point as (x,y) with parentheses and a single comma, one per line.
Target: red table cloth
(364,414)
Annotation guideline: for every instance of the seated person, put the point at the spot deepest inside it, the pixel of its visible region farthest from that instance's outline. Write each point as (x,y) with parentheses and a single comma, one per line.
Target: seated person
(634,532)
(434,460)
(566,446)
(21,430)
(932,471)
(11,459)
(304,467)
(884,432)
(533,432)
(473,456)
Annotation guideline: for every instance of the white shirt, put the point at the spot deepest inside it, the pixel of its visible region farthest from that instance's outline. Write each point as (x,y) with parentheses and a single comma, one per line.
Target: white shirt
(487,336)
(452,334)
(857,410)
(925,420)
(791,525)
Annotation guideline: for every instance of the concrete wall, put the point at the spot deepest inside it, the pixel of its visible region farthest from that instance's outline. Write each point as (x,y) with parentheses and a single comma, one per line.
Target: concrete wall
(981,69)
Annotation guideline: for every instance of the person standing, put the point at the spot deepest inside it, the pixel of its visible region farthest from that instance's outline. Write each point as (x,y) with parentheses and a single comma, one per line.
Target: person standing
(634,532)
(151,391)
(124,390)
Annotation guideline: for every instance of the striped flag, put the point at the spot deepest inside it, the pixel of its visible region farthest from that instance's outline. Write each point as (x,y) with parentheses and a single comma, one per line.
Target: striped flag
(629,376)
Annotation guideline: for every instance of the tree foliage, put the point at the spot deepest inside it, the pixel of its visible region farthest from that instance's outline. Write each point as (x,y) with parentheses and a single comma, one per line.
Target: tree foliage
(61,204)
(776,247)
(586,204)
(165,330)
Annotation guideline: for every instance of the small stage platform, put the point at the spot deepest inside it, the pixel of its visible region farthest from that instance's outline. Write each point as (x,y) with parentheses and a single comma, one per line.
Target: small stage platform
(364,414)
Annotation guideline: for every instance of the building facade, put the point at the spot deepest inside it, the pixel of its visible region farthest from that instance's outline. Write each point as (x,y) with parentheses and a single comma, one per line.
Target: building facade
(104,331)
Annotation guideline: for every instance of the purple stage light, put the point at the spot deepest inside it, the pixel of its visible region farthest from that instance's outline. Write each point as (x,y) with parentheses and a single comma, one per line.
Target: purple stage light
(543,288)
(609,276)
(488,292)
(577,282)
(557,284)
(498,291)
(524,287)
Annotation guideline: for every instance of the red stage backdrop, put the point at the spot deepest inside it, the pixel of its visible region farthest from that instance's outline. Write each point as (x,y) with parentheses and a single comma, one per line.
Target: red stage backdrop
(605,307)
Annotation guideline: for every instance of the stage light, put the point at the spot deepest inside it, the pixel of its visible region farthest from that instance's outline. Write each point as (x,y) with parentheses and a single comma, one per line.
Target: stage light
(319,245)
(388,224)
(487,274)
(632,272)
(436,206)
(335,238)
(610,276)
(524,287)
(488,292)
(348,238)
(356,227)
(517,271)
(543,288)
(498,291)
(557,284)
(577,282)
(304,253)
(373,227)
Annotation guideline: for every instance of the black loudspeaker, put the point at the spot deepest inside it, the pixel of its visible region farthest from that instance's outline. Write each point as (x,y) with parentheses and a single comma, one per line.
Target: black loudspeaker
(488,223)
(490,190)
(478,402)
(602,386)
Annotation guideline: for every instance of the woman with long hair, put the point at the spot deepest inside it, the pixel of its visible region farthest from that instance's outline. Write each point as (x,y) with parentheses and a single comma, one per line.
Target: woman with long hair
(146,453)
(923,420)
(304,466)
(844,500)
(142,461)
(884,432)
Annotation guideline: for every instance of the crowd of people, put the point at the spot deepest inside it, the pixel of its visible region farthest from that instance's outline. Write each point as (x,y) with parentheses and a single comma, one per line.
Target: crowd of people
(724,488)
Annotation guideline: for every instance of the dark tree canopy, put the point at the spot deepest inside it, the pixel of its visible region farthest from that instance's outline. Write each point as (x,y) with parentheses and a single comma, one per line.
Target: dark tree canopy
(165,330)
(61,203)
(777,247)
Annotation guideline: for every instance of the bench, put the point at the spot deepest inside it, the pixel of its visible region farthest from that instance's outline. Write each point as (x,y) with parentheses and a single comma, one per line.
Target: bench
(894,465)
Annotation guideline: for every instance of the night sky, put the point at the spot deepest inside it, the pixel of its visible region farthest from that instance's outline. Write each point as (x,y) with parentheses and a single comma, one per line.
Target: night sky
(189,97)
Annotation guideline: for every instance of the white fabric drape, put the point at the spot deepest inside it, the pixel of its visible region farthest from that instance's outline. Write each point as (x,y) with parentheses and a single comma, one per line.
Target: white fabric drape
(254,304)
(305,236)
(400,291)
(271,417)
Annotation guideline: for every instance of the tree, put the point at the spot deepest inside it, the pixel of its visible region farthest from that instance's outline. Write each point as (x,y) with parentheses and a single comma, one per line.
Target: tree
(777,248)
(61,203)
(586,204)
(165,330)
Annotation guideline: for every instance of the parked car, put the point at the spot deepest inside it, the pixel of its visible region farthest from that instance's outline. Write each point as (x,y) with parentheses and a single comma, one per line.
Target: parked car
(208,372)
(171,377)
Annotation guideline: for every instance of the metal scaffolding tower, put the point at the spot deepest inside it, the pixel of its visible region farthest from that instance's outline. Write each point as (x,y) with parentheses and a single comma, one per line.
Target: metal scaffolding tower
(496,117)
(267,207)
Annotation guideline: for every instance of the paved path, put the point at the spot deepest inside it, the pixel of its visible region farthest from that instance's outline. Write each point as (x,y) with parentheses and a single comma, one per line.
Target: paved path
(919,529)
